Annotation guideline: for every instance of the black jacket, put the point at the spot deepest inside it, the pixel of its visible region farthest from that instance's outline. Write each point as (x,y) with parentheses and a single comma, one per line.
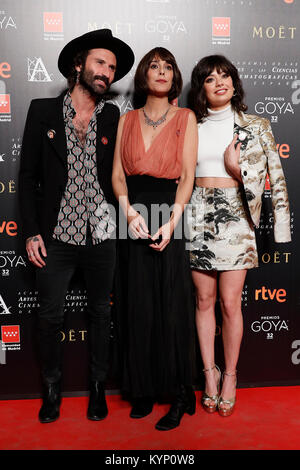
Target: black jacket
(43,168)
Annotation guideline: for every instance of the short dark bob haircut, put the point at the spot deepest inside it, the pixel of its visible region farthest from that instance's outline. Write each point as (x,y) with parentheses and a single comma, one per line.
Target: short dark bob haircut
(201,71)
(140,78)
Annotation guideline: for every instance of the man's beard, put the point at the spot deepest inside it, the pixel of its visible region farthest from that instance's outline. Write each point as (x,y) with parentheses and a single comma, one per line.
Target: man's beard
(87,80)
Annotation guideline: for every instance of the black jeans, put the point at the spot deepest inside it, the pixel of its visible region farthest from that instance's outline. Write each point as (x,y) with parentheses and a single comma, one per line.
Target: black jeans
(97,263)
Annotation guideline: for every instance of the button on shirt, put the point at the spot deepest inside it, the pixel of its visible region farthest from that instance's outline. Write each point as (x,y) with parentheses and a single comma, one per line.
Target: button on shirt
(83,201)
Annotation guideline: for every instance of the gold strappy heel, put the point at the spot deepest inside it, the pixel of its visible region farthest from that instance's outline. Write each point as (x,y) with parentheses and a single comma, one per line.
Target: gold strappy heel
(231,402)
(210,403)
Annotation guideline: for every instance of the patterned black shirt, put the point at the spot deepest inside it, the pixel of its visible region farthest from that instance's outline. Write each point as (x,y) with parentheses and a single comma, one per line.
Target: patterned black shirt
(83,201)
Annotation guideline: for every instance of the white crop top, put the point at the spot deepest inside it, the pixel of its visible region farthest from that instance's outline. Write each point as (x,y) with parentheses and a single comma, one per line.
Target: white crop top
(214,135)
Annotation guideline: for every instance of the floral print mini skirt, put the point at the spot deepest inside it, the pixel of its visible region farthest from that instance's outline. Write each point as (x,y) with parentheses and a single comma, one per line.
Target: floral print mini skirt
(221,234)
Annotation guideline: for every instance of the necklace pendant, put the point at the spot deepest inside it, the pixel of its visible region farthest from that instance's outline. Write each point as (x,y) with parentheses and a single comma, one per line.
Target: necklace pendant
(152,123)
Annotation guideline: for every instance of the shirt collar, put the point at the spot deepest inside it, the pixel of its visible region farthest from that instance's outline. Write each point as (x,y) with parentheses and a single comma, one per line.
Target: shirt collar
(69,111)
(99,106)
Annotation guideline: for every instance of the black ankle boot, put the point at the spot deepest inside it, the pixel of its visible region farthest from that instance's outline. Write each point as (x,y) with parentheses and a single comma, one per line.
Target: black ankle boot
(97,408)
(49,411)
(141,407)
(185,402)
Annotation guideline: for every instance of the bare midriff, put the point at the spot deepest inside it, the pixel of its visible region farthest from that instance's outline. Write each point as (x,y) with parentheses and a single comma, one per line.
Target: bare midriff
(212,182)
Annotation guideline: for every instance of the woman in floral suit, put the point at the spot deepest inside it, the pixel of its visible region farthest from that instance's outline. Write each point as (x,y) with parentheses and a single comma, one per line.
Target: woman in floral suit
(236,151)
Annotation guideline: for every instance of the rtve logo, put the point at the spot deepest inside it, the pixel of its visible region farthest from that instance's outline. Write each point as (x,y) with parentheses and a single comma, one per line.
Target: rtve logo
(5,69)
(9,227)
(270,294)
(283,150)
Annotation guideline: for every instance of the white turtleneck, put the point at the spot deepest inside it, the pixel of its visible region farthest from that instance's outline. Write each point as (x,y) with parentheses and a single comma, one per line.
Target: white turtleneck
(214,135)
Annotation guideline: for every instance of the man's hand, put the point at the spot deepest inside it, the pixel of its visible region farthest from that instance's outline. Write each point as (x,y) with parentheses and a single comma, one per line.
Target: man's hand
(35,245)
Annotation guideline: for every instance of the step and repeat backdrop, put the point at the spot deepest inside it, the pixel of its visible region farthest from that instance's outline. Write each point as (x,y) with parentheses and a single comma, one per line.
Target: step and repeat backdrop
(261,37)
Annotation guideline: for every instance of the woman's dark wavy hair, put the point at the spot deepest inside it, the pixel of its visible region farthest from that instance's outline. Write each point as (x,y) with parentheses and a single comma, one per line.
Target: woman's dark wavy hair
(203,69)
(140,78)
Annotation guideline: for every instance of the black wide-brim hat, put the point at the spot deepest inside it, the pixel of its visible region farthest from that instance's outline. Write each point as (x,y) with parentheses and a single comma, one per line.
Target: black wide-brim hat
(99,39)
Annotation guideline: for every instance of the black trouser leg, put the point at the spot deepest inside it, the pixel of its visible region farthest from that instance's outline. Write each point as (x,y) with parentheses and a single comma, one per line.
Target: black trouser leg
(98,264)
(52,284)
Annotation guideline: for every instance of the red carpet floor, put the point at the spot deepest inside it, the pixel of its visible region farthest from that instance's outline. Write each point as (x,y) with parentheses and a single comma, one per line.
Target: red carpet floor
(264,419)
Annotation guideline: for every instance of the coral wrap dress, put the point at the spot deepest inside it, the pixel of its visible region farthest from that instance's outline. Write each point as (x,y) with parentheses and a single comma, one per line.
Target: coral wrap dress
(159,323)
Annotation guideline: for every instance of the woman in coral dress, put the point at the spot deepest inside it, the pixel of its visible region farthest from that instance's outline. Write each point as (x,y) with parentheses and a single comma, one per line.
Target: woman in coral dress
(153,174)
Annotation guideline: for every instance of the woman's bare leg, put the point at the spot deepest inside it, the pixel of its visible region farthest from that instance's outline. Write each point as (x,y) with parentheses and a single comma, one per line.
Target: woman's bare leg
(230,288)
(206,290)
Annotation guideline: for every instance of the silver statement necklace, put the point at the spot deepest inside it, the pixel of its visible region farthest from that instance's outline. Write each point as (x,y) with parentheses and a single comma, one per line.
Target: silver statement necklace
(152,123)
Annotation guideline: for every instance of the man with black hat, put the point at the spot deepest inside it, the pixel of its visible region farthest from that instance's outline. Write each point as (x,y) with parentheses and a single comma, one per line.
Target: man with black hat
(66,206)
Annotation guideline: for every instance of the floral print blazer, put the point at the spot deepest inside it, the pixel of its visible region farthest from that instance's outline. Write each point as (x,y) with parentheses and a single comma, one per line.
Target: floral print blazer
(259,157)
